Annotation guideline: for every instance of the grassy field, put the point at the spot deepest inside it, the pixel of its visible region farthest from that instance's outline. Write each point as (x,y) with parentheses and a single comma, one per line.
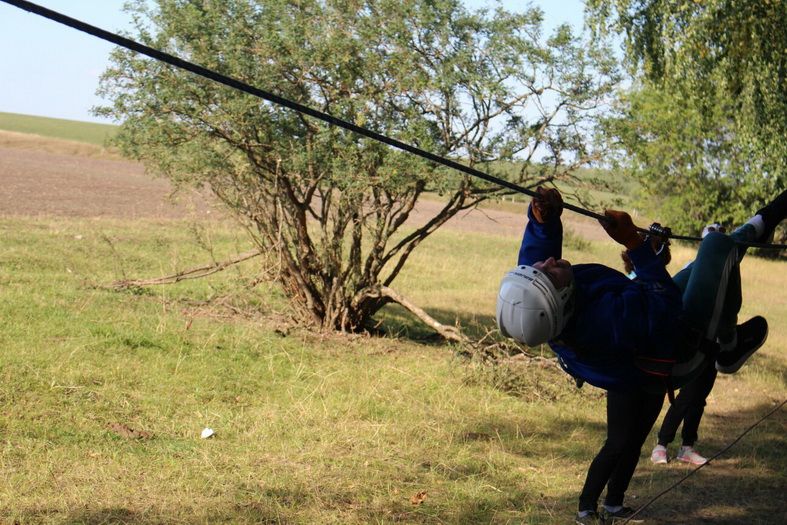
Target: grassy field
(104,395)
(91,133)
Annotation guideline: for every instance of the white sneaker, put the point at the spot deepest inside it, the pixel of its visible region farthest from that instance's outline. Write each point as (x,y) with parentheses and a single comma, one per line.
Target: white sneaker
(659,455)
(689,455)
(715,227)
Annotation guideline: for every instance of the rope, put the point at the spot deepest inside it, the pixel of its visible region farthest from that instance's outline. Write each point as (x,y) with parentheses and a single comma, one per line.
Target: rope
(325,117)
(691,473)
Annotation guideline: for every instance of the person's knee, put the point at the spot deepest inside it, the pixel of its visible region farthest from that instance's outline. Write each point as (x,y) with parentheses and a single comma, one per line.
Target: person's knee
(614,447)
(717,243)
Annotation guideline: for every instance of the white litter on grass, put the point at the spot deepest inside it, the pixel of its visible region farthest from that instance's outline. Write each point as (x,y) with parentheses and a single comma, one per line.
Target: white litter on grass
(206,433)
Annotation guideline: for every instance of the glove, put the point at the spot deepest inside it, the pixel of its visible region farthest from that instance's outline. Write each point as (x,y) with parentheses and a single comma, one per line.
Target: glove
(621,229)
(547,205)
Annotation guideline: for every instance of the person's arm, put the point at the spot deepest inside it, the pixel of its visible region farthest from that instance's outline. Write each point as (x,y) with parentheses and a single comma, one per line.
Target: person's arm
(647,265)
(543,236)
(645,314)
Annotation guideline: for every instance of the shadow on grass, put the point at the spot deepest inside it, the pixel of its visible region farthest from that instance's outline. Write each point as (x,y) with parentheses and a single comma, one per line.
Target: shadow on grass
(251,513)
(393,320)
(746,484)
(549,440)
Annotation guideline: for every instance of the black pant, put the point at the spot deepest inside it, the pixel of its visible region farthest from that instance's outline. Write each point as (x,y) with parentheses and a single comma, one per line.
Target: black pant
(630,416)
(688,407)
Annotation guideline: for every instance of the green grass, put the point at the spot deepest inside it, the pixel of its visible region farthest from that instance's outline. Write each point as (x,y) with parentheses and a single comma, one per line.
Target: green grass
(90,132)
(314,429)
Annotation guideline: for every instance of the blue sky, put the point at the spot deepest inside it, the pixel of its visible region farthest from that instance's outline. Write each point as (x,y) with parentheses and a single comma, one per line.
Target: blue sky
(51,70)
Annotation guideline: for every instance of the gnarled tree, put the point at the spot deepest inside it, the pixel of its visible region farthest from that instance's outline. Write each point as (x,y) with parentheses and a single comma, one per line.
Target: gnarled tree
(482,87)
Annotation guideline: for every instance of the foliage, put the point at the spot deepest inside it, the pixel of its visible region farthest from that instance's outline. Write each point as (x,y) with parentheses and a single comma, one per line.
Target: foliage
(476,86)
(691,173)
(706,128)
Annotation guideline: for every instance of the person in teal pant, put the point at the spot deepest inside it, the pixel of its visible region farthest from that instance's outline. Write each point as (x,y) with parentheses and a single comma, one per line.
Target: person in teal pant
(636,339)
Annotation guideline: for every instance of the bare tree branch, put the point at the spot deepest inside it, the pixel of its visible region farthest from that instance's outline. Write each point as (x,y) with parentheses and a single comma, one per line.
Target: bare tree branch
(193,273)
(449,333)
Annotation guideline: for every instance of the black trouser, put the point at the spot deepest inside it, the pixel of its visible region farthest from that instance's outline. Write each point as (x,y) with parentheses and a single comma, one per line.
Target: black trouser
(630,417)
(688,407)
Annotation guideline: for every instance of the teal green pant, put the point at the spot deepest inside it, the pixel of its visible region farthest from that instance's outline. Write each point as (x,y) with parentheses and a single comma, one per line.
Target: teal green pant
(711,287)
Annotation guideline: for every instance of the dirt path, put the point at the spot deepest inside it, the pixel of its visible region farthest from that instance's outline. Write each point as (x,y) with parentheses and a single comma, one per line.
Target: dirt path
(51,178)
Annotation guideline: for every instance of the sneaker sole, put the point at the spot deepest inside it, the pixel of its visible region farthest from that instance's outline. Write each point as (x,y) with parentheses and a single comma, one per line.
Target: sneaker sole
(690,462)
(731,369)
(659,461)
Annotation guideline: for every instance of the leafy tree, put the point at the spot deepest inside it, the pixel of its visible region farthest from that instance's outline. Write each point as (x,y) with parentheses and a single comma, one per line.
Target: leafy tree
(332,208)
(689,170)
(713,104)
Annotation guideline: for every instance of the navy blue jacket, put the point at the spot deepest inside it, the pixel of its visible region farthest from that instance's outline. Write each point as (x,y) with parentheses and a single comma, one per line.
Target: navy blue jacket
(615,319)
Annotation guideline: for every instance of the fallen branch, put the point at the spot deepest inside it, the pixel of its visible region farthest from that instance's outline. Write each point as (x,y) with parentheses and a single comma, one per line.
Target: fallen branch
(449,333)
(193,273)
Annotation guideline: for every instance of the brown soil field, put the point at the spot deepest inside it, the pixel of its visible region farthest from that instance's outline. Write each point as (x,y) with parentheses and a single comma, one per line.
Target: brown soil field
(53,178)
(44,177)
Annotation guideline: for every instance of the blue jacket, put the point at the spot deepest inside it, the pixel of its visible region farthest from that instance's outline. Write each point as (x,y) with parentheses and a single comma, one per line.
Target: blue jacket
(615,320)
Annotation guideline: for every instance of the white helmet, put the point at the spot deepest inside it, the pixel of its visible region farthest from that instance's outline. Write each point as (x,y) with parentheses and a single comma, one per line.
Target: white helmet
(529,308)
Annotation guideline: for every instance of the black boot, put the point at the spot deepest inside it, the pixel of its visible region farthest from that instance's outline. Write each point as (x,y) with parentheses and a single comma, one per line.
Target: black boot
(772,215)
(751,335)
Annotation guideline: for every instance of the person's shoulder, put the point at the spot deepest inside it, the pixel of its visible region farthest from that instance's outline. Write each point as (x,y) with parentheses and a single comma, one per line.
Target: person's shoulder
(596,269)
(597,276)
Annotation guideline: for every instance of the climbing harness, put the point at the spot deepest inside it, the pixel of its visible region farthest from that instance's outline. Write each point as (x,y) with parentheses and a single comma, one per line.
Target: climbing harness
(325,117)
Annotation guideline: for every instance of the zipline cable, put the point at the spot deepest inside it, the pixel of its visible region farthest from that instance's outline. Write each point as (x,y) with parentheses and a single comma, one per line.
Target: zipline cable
(691,473)
(325,117)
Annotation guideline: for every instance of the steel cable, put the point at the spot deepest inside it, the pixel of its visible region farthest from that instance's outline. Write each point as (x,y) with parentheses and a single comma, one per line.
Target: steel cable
(325,117)
(691,473)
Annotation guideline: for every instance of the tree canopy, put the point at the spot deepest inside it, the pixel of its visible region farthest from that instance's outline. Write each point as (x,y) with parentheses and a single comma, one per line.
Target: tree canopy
(332,209)
(718,69)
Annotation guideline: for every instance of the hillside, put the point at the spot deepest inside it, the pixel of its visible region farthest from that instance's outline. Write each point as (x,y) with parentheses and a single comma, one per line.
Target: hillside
(88,132)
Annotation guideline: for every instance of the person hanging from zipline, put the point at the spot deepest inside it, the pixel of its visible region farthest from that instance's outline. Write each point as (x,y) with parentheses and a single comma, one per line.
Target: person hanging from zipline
(637,339)
(689,405)
(687,409)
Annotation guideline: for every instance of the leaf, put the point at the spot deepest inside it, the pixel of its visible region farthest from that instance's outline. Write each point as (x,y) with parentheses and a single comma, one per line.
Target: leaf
(418,497)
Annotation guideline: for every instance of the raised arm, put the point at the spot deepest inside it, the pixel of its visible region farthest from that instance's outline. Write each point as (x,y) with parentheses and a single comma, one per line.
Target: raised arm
(646,312)
(543,236)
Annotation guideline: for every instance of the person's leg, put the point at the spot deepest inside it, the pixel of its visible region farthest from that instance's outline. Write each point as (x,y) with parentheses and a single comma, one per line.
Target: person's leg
(643,410)
(620,406)
(711,284)
(769,217)
(711,301)
(696,392)
(674,417)
(707,283)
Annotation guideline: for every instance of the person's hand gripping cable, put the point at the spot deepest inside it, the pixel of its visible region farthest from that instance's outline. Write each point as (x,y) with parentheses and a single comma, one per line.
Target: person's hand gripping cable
(547,205)
(620,227)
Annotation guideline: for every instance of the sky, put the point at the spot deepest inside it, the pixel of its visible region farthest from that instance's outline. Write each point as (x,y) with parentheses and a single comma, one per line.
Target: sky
(51,70)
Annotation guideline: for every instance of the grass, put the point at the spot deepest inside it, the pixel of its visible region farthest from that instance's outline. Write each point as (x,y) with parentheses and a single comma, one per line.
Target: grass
(88,132)
(317,429)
